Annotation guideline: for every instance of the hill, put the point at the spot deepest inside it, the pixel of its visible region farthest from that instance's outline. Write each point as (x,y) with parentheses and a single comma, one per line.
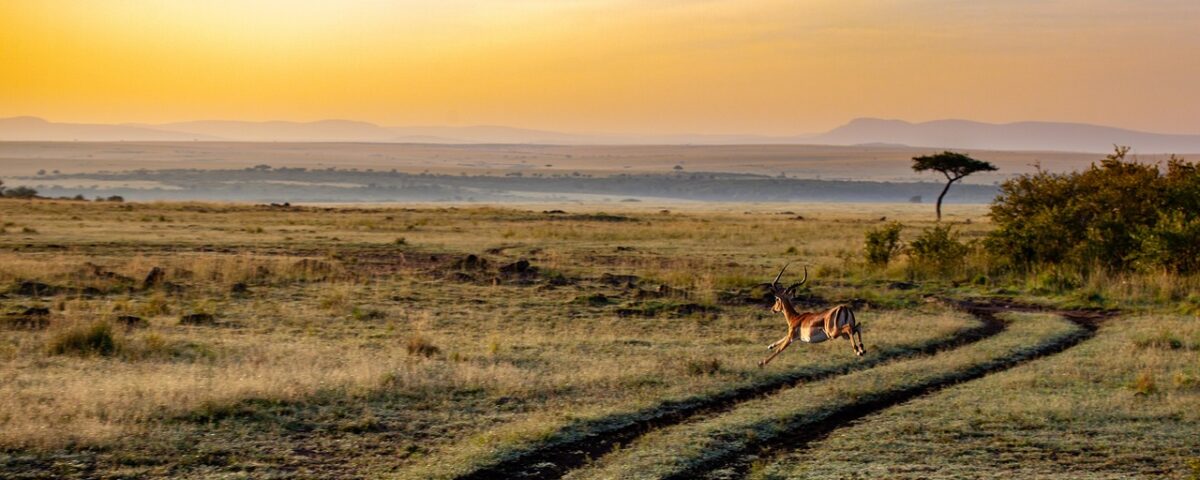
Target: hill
(966,134)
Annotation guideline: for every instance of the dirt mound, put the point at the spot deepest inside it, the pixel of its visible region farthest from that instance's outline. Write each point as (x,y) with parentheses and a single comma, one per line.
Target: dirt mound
(519,267)
(626,281)
(470,262)
(31,318)
(31,288)
(131,321)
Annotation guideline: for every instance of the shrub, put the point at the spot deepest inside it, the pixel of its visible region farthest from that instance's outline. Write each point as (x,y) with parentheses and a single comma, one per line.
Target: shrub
(1117,214)
(939,249)
(883,243)
(84,340)
(1172,243)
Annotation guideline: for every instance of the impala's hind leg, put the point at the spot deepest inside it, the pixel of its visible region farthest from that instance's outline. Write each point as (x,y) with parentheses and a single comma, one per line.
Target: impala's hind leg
(860,349)
(848,331)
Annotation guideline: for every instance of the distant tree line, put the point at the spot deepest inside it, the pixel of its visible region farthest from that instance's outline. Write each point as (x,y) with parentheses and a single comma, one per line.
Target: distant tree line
(23,192)
(296,184)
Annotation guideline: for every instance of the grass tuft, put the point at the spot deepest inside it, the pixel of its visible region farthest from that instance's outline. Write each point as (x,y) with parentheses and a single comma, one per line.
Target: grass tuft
(85,340)
(1144,384)
(421,346)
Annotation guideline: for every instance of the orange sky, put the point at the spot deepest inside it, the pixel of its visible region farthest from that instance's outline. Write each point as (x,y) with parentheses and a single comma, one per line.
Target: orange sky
(622,66)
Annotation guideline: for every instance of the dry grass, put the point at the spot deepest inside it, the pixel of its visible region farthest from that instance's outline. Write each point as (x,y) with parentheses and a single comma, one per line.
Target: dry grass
(336,351)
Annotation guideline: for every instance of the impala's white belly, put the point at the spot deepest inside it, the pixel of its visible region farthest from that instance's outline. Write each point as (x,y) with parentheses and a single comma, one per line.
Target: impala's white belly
(813,335)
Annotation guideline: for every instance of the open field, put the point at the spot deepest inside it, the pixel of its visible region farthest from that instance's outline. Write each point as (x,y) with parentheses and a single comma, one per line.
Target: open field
(203,340)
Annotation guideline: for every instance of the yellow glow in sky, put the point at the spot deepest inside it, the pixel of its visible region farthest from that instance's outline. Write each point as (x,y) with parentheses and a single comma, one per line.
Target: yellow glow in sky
(622,66)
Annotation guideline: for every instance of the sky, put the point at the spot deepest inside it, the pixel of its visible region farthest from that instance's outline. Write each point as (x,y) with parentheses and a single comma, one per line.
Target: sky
(605,66)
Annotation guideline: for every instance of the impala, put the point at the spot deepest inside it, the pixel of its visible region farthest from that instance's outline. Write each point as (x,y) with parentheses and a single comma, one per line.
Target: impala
(811,327)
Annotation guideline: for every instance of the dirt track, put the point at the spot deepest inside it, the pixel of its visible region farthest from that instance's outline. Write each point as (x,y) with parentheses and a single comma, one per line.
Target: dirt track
(739,465)
(556,459)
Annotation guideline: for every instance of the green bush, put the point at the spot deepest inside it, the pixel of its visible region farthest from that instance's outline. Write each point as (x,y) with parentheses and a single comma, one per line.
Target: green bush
(883,244)
(1173,243)
(938,249)
(1115,215)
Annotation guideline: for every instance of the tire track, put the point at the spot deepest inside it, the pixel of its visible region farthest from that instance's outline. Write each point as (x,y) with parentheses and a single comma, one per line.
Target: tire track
(554,460)
(738,465)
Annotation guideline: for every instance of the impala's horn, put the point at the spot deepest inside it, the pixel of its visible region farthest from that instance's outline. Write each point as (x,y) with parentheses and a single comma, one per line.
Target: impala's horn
(775,283)
(801,282)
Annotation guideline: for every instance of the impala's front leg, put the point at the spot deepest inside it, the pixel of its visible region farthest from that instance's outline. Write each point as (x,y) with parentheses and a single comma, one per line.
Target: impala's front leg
(783,347)
(791,331)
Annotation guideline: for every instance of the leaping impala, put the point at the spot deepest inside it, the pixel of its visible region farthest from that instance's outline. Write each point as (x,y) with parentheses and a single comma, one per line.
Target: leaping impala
(811,327)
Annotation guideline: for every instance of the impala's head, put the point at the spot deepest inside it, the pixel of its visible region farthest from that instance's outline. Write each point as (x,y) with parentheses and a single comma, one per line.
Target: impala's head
(783,295)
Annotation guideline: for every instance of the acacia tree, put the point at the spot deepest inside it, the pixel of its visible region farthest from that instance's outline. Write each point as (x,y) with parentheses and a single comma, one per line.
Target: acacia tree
(954,166)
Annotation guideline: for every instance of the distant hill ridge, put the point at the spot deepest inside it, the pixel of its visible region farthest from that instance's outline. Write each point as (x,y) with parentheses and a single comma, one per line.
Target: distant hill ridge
(867,132)
(967,134)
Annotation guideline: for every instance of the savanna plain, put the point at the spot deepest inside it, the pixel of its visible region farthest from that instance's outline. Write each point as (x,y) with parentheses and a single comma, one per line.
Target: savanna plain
(212,340)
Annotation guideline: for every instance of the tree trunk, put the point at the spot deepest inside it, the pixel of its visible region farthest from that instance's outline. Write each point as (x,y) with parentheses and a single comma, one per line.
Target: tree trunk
(943,195)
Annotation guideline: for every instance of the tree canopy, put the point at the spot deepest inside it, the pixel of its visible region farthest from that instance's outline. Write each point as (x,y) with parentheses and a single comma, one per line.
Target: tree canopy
(953,165)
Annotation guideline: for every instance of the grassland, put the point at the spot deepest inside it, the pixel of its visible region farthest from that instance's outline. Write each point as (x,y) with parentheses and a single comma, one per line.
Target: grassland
(217,340)
(703,445)
(1123,405)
